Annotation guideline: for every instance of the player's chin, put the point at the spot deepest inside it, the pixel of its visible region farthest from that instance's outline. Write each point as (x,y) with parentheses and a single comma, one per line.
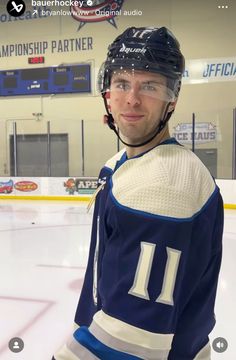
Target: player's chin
(132,137)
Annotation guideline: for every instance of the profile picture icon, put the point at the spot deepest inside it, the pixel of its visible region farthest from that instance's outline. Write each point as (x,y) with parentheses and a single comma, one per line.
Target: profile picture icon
(16,8)
(16,344)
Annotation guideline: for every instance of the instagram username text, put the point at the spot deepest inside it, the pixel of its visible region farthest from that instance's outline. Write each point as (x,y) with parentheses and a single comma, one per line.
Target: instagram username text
(77,3)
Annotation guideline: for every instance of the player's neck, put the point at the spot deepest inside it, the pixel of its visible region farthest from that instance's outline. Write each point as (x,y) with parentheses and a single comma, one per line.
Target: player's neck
(134,151)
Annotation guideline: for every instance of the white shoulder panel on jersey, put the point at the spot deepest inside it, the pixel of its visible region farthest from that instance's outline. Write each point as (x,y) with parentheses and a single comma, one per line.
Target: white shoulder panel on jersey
(169,181)
(111,163)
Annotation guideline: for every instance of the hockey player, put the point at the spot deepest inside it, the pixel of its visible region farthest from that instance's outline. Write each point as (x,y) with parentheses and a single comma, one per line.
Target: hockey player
(155,254)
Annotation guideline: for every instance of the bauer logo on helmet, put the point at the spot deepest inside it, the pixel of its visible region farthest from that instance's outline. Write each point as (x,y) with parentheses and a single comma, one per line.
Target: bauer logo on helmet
(130,50)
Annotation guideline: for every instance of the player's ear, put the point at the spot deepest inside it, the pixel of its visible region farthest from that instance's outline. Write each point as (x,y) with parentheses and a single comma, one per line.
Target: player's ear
(105,119)
(172,106)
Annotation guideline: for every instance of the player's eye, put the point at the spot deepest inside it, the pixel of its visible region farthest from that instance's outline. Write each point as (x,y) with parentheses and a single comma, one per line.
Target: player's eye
(151,87)
(122,85)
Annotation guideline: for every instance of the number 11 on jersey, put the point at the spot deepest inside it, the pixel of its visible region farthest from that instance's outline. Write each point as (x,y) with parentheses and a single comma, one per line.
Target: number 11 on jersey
(144,267)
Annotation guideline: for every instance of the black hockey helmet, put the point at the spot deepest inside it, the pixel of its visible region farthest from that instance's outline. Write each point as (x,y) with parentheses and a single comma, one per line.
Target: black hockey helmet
(148,49)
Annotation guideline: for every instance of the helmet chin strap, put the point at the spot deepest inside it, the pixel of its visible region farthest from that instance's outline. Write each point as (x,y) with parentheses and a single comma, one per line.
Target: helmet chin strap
(160,127)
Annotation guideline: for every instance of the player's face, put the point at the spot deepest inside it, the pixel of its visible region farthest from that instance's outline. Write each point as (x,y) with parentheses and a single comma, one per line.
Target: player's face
(138,100)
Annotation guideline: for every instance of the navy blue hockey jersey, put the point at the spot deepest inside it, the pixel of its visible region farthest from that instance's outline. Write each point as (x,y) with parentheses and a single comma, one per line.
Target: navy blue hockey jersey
(155,254)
